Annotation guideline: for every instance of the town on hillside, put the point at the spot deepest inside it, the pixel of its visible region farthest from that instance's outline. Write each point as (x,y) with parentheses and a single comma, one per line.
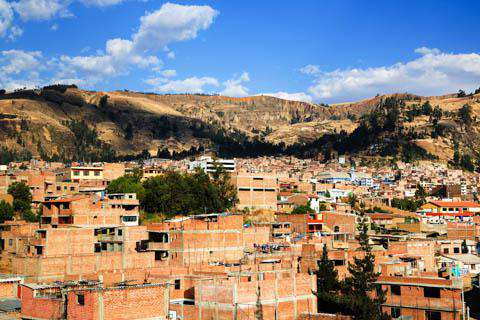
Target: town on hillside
(243,238)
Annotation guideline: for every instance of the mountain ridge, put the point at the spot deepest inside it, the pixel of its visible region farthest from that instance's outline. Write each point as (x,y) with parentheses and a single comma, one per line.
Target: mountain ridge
(61,122)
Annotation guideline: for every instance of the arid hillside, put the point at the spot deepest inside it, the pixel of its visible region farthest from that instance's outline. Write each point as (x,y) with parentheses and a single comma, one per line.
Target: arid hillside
(66,123)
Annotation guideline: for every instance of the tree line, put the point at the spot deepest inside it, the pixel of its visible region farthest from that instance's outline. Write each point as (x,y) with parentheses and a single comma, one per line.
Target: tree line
(174,193)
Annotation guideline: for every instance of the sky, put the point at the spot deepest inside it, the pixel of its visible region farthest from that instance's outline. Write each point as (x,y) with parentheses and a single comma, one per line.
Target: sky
(321,51)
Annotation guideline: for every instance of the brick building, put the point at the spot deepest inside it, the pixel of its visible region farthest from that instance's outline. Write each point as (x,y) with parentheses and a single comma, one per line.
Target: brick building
(90,300)
(256,191)
(423,298)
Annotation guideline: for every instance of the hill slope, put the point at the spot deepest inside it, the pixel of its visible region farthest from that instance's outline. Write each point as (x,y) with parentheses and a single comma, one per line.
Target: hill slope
(66,123)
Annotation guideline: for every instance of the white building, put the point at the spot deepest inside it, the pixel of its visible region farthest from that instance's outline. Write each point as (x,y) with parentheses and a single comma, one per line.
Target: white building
(208,164)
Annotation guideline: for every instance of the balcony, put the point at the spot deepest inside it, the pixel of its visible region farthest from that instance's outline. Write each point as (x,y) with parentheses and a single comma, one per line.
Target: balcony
(38,241)
(108,238)
(155,246)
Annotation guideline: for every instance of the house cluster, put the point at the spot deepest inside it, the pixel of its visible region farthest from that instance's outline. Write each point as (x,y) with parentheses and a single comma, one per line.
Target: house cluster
(91,255)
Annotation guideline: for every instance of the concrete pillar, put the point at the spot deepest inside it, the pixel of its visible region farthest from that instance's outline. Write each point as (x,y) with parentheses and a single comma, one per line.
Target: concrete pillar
(101,307)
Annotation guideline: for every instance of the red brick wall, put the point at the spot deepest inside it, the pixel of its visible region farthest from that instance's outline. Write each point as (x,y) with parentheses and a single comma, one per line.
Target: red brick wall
(40,308)
(116,304)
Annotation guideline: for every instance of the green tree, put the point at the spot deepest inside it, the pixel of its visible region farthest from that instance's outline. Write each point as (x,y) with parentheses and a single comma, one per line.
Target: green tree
(29,216)
(420,193)
(427,108)
(302,209)
(356,288)
(103,101)
(436,115)
(6,211)
(167,194)
(173,193)
(352,199)
(461,93)
(204,193)
(226,189)
(328,285)
(22,198)
(127,184)
(129,131)
(466,163)
(465,115)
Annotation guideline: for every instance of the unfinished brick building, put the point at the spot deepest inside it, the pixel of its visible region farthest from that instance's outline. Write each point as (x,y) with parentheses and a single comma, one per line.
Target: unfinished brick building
(78,237)
(91,300)
(203,239)
(423,298)
(275,294)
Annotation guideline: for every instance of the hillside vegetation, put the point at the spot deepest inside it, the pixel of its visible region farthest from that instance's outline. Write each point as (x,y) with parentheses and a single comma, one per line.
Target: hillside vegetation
(66,123)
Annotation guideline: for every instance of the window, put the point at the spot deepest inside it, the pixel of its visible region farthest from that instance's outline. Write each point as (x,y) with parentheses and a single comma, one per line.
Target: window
(97,173)
(86,173)
(338,262)
(80,299)
(119,232)
(433,315)
(129,218)
(10,242)
(98,247)
(76,173)
(158,255)
(456,250)
(429,292)
(395,312)
(177,284)
(336,229)
(379,290)
(59,188)
(395,290)
(446,251)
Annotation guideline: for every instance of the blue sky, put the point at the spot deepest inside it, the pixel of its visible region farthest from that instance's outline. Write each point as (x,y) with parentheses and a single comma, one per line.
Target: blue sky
(320,51)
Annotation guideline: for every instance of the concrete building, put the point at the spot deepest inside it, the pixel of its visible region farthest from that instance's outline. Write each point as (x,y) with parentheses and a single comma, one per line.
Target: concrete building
(256,191)
(208,164)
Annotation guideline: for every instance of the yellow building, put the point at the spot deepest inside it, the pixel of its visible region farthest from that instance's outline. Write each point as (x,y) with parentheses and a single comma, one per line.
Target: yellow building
(78,173)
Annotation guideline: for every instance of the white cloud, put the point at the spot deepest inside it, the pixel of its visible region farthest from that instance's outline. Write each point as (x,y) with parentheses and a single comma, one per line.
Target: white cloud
(172,23)
(15,32)
(188,85)
(296,96)
(432,73)
(235,88)
(425,50)
(91,65)
(310,69)
(41,9)
(6,17)
(54,27)
(169,73)
(171,55)
(101,3)
(18,61)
